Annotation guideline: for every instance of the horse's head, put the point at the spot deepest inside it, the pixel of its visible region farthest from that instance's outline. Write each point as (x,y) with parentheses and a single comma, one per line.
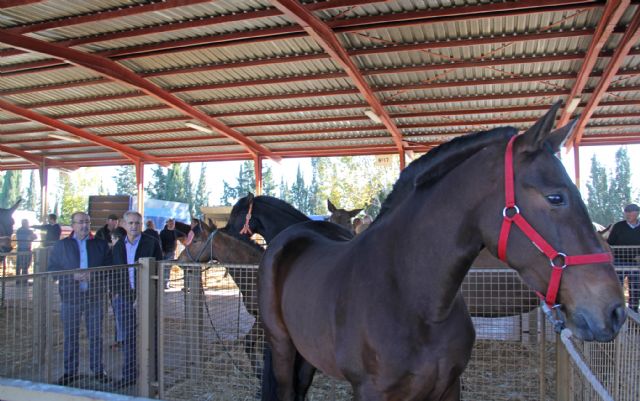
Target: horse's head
(6,227)
(201,247)
(341,217)
(569,263)
(241,220)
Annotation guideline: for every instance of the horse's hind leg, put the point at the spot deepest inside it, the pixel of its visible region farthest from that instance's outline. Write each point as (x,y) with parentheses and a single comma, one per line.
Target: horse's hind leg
(304,376)
(283,357)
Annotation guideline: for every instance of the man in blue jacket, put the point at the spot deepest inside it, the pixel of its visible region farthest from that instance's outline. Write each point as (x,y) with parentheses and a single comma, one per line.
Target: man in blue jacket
(81,293)
(123,286)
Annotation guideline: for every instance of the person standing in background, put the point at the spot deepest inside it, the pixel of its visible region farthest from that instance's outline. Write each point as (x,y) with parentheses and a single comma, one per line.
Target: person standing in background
(81,294)
(123,284)
(53,230)
(626,234)
(169,241)
(24,236)
(105,231)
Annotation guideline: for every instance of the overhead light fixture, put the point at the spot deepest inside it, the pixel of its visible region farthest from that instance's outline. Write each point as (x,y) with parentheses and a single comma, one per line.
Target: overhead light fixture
(65,138)
(573,104)
(373,116)
(199,128)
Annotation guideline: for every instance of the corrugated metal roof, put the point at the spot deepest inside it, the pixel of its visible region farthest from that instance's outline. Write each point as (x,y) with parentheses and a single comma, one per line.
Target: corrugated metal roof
(440,69)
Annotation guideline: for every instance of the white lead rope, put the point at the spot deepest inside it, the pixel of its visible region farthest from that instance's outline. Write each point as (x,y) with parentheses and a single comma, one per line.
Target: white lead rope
(565,336)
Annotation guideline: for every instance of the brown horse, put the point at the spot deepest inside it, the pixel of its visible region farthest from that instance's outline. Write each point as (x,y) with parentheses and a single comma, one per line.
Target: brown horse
(213,244)
(342,217)
(384,311)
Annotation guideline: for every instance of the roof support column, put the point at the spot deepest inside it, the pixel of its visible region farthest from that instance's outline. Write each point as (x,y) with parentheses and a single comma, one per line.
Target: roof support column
(140,186)
(257,166)
(576,164)
(43,171)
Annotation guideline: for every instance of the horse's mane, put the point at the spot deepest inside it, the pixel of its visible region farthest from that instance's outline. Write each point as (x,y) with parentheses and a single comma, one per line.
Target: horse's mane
(242,238)
(282,206)
(440,160)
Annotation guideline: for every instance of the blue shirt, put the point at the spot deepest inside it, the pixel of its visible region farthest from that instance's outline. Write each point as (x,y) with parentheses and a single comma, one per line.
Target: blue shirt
(84,259)
(131,248)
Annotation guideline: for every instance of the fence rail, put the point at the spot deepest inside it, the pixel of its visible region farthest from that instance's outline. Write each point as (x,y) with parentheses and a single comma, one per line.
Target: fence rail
(198,339)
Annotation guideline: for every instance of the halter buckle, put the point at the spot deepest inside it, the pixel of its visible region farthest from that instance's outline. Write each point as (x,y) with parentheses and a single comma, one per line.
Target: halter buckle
(507,209)
(564,261)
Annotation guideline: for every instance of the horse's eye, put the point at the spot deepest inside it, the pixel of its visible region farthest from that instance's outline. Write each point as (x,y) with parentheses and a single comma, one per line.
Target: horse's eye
(555,199)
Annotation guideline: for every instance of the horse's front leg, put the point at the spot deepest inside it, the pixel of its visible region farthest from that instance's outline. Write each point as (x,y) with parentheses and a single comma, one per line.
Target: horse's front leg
(453,392)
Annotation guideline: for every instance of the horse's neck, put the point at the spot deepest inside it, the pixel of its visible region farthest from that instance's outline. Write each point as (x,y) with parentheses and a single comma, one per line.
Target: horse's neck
(274,220)
(440,241)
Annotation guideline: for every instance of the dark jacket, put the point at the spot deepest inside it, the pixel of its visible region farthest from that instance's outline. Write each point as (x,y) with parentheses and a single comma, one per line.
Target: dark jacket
(153,233)
(104,233)
(623,235)
(53,233)
(148,247)
(66,256)
(168,239)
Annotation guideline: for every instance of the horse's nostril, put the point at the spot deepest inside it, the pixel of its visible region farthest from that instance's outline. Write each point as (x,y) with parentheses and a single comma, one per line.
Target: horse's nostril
(618,317)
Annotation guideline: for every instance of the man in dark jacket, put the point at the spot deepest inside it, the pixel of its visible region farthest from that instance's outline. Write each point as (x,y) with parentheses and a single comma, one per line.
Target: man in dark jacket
(123,284)
(53,230)
(81,294)
(626,235)
(168,239)
(105,231)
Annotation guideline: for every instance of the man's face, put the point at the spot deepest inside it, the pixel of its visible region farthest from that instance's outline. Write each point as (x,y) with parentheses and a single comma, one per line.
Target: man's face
(81,225)
(112,224)
(133,225)
(631,217)
(171,224)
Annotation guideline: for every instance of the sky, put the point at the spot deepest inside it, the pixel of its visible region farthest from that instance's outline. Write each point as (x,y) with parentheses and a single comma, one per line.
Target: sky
(217,172)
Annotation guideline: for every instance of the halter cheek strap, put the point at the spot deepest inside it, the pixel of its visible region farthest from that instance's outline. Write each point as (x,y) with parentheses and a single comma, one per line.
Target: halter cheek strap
(204,247)
(511,214)
(246,230)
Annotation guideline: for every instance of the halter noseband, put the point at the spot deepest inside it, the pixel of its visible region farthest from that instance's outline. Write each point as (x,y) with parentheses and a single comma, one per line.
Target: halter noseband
(559,261)
(208,242)
(246,230)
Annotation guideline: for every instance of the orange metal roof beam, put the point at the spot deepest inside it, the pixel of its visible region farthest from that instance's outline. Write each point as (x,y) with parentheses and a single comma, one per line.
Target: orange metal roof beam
(319,31)
(630,38)
(127,151)
(34,159)
(115,71)
(611,14)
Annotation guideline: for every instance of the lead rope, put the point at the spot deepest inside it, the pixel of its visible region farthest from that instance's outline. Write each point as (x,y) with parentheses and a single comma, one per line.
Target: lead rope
(246,230)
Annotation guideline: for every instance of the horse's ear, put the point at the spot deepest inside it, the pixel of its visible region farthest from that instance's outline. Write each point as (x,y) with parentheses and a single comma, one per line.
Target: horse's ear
(558,137)
(250,197)
(534,138)
(330,206)
(14,207)
(212,225)
(354,212)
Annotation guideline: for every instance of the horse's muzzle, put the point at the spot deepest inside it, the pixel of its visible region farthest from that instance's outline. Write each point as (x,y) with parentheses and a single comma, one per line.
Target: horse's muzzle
(589,328)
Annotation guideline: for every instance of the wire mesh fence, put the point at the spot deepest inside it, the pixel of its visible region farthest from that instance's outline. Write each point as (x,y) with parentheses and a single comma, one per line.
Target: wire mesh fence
(202,336)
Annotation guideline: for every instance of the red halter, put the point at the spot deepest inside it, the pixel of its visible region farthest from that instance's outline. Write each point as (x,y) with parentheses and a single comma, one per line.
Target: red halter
(537,240)
(246,229)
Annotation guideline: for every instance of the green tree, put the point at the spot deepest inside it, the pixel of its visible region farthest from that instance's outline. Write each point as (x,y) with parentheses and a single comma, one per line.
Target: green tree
(73,197)
(268,183)
(597,192)
(620,188)
(125,180)
(157,188)
(11,188)
(299,194)
(32,200)
(245,182)
(201,196)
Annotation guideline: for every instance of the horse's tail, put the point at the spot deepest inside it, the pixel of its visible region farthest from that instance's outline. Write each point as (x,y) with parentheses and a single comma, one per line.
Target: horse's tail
(269,385)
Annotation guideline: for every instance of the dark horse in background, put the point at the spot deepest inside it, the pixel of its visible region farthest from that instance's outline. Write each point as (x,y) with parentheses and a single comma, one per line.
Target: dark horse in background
(6,228)
(383,311)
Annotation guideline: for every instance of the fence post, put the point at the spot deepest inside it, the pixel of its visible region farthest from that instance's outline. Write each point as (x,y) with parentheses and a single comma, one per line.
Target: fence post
(147,323)
(41,311)
(563,372)
(194,300)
